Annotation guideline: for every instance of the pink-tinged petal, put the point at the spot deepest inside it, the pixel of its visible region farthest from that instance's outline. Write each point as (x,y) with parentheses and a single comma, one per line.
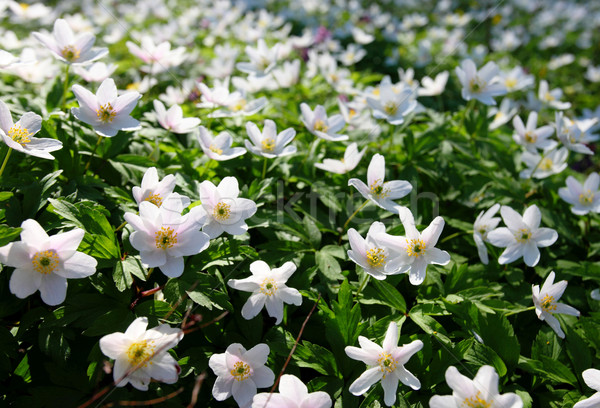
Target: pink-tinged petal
(555,325)
(222,388)
(531,254)
(376,170)
(53,289)
(173,267)
(253,305)
(145,243)
(126,103)
(511,218)
(121,123)
(417,272)
(33,234)
(243,392)
(432,233)
(263,377)
(391,338)
(462,386)
(367,357)
(137,328)
(114,345)
(442,401)
(24,282)
(66,243)
(16,254)
(319,399)
(532,217)
(544,237)
(107,92)
(365,381)
(78,266)
(501,237)
(389,383)
(268,400)
(218,364)
(566,309)
(591,377)
(508,400)
(292,386)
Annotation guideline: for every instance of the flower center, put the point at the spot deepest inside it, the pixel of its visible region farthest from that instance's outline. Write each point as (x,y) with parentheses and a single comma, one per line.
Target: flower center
(155,199)
(238,105)
(141,352)
(387,363)
(477,402)
(45,262)
(510,83)
(546,164)
(548,97)
(548,304)
(215,149)
(241,371)
(376,257)
(483,231)
(530,137)
(268,287)
(415,247)
(586,198)
(476,84)
(320,126)
(378,189)
(24,6)
(391,108)
(268,145)
(19,135)
(523,235)
(106,113)
(70,53)
(222,211)
(165,238)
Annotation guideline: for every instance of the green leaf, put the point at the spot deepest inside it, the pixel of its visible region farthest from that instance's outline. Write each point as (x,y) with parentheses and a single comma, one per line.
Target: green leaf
(329,266)
(8,234)
(318,358)
(312,231)
(389,295)
(106,323)
(480,354)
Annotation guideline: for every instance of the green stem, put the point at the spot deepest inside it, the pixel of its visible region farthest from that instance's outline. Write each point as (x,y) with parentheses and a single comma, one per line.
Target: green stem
(354,214)
(65,88)
(120,227)
(311,151)
(519,311)
(362,286)
(5,160)
(207,166)
(87,166)
(264,173)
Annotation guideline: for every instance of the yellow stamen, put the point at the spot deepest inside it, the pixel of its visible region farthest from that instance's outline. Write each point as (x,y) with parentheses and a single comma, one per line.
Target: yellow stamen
(165,238)
(477,402)
(19,135)
(586,198)
(268,287)
(548,97)
(238,105)
(45,262)
(476,84)
(241,371)
(320,126)
(523,235)
(546,164)
(376,257)
(530,137)
(222,211)
(415,247)
(70,53)
(268,144)
(155,199)
(387,363)
(215,149)
(378,189)
(391,108)
(141,352)
(548,304)
(510,83)
(106,113)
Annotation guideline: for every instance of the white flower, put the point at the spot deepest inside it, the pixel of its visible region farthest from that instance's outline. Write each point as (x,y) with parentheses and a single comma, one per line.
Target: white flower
(97,72)
(481,391)
(153,190)
(503,114)
(517,79)
(219,147)
(173,119)
(224,210)
(593,73)
(268,289)
(591,377)
(106,112)
(159,57)
(239,105)
(392,105)
(595,294)
(262,59)
(292,394)
(45,262)
(484,223)
(380,192)
(240,372)
(532,137)
(360,36)
(217,96)
(387,364)
(584,198)
(377,259)
(268,143)
(417,250)
(522,237)
(351,158)
(322,126)
(142,354)
(551,98)
(481,85)
(164,236)
(288,75)
(68,48)
(433,87)
(575,134)
(19,136)
(352,54)
(545,165)
(546,303)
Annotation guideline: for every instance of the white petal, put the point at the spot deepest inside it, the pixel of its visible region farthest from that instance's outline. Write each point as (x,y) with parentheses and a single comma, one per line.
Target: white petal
(53,289)
(365,381)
